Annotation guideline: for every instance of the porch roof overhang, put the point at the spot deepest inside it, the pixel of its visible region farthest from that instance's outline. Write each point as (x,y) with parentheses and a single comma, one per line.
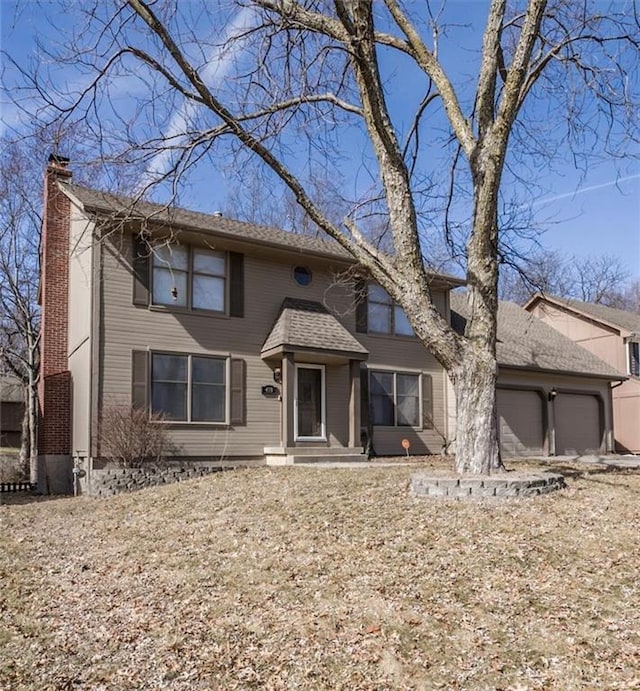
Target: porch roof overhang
(307,327)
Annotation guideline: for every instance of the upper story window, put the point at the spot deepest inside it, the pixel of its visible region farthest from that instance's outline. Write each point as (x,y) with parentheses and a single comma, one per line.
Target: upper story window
(634,358)
(383,315)
(189,277)
(302,275)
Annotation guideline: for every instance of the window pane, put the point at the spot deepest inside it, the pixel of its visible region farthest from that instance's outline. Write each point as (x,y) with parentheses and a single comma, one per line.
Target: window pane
(170,399)
(408,399)
(208,262)
(407,385)
(378,294)
(206,370)
(208,403)
(408,410)
(208,293)
(171,368)
(302,275)
(379,318)
(172,256)
(382,410)
(402,326)
(381,385)
(164,281)
(382,382)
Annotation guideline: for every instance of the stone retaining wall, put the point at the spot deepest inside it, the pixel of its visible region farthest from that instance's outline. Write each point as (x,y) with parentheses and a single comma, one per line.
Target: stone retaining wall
(108,482)
(486,487)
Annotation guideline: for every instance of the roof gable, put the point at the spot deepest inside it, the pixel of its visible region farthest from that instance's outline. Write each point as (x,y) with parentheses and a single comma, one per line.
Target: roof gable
(621,320)
(308,325)
(524,341)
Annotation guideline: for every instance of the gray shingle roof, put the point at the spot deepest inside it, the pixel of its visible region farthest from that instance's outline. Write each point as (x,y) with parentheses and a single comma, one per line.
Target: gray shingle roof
(309,325)
(106,203)
(525,341)
(627,321)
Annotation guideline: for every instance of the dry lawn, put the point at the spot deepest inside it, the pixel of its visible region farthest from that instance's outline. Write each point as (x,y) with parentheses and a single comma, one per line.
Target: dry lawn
(302,578)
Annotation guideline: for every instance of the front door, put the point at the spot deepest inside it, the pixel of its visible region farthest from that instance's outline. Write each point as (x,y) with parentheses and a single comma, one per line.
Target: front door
(310,403)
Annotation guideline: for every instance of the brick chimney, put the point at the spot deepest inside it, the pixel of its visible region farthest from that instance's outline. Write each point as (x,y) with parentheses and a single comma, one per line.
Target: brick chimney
(55,379)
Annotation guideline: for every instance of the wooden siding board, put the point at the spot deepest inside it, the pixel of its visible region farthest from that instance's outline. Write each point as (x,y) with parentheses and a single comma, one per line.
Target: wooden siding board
(79,315)
(268,281)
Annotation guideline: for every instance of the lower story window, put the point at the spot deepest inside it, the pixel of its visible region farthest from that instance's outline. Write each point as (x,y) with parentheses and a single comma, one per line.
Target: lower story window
(189,388)
(395,399)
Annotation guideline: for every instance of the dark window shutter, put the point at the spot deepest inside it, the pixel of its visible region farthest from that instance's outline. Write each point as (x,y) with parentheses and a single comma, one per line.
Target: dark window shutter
(141,280)
(361,306)
(140,379)
(238,392)
(236,284)
(427,401)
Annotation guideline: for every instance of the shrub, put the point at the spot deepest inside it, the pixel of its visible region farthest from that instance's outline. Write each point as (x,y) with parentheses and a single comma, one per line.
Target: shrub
(131,437)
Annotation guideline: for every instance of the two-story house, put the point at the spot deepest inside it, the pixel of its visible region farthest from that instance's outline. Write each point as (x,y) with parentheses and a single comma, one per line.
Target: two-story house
(259,345)
(614,336)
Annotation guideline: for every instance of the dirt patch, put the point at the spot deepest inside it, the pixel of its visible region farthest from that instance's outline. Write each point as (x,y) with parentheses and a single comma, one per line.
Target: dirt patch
(280,578)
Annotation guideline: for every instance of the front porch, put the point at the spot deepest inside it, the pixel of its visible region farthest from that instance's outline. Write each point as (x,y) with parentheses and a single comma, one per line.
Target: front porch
(316,362)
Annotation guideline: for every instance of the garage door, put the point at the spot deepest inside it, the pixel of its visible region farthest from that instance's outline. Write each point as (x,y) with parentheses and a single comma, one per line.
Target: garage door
(520,423)
(578,428)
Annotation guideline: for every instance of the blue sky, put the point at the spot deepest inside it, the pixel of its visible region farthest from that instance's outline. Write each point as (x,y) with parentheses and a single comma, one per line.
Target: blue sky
(593,211)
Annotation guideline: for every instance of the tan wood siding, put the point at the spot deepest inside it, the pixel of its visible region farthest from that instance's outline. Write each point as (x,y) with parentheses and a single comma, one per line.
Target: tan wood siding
(268,280)
(80,315)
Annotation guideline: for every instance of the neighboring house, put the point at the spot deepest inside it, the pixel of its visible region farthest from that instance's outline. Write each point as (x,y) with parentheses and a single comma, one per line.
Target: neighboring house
(256,343)
(11,411)
(614,336)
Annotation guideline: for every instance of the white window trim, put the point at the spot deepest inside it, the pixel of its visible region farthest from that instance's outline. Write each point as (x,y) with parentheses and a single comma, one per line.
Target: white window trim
(227,394)
(395,371)
(323,403)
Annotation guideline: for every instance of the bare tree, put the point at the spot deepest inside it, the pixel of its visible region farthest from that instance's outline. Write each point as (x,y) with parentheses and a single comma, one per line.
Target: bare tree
(601,279)
(19,275)
(630,298)
(292,86)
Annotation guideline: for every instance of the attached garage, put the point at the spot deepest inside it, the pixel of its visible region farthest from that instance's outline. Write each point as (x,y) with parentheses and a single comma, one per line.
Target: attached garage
(521,423)
(553,397)
(578,423)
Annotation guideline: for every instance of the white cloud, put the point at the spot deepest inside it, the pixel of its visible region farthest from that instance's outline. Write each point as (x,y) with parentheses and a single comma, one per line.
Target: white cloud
(217,67)
(583,190)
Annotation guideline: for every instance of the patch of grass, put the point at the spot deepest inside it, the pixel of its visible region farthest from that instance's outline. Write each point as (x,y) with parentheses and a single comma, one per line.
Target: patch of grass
(323,579)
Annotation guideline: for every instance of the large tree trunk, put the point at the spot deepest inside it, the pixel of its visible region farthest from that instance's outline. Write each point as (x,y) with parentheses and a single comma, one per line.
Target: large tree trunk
(477,448)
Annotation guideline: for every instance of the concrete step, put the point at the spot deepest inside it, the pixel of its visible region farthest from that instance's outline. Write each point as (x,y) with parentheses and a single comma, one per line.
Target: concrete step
(326,458)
